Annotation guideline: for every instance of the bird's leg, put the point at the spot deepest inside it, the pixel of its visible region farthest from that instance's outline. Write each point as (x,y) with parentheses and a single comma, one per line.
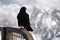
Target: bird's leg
(25,28)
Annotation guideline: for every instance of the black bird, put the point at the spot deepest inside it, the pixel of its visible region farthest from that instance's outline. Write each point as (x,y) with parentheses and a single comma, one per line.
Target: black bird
(23,19)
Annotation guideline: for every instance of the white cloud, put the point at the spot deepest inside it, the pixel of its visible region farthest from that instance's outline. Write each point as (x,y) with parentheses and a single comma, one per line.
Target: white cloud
(9,12)
(25,2)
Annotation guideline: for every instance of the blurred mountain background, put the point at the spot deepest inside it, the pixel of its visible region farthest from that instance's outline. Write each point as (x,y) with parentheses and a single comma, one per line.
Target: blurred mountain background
(44,16)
